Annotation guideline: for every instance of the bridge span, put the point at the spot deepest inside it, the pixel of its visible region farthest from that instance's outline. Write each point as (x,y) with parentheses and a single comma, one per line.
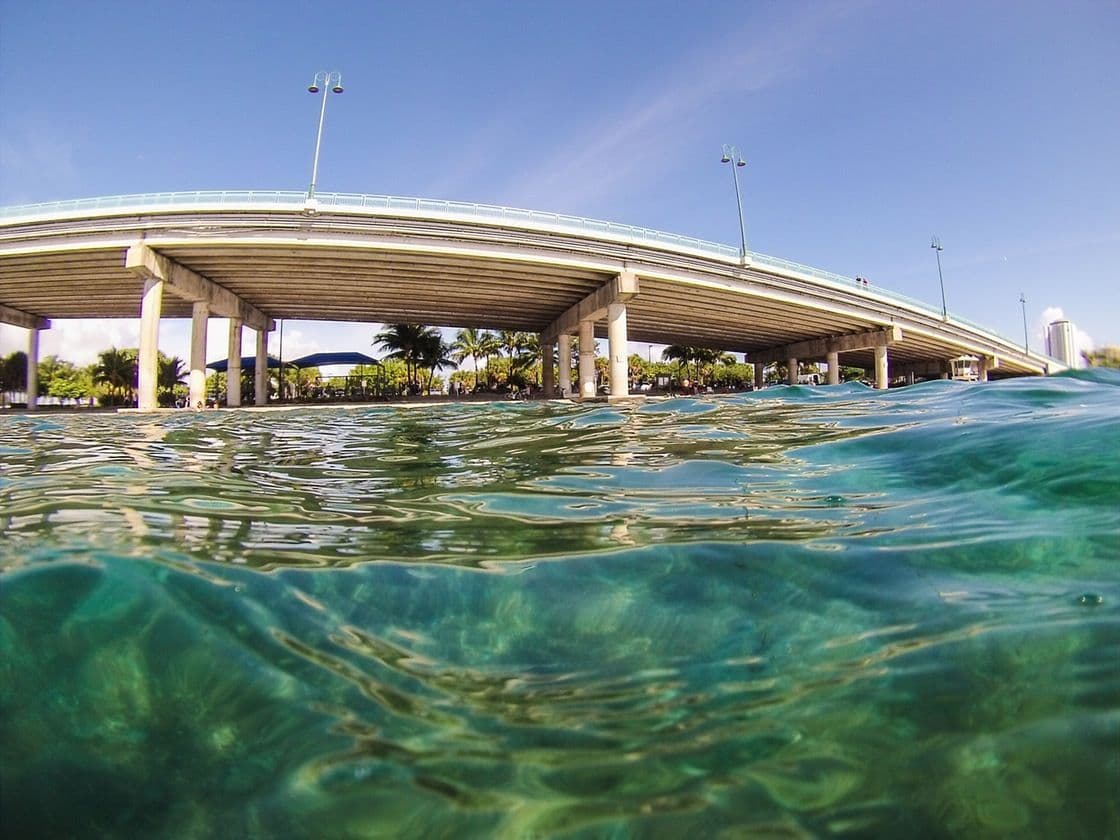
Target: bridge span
(256,257)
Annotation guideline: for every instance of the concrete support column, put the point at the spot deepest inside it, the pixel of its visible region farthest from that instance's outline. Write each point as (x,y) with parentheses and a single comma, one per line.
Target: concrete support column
(759,375)
(32,369)
(199,320)
(548,361)
(565,352)
(616,338)
(260,369)
(586,359)
(147,361)
(233,372)
(881,378)
(791,371)
(982,369)
(834,368)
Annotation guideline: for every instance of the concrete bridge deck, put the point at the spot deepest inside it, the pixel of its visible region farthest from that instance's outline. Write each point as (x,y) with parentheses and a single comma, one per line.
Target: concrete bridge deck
(261,256)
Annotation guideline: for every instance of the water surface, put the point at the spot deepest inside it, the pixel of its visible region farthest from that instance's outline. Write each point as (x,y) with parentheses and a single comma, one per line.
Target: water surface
(799,612)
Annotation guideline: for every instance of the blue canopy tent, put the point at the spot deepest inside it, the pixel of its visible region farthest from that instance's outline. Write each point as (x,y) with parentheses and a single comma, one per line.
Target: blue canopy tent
(325,359)
(248,363)
(356,387)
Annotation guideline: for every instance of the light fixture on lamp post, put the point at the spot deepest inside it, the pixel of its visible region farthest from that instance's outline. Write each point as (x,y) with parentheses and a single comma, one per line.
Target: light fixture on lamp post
(1026,339)
(328,82)
(935,243)
(731,155)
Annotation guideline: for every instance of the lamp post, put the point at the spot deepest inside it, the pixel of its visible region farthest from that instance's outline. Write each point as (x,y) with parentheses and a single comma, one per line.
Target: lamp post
(935,243)
(328,82)
(1026,340)
(731,155)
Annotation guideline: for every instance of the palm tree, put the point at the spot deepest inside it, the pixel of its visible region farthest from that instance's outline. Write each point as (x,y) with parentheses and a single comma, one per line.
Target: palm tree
(470,344)
(491,346)
(685,353)
(510,341)
(434,353)
(405,342)
(528,354)
(172,372)
(116,369)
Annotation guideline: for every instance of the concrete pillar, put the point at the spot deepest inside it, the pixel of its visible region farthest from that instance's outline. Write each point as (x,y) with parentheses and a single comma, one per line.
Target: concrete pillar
(199,320)
(548,362)
(910,378)
(834,368)
(565,353)
(32,369)
(260,369)
(982,369)
(147,361)
(759,376)
(586,359)
(881,378)
(616,338)
(233,372)
(791,371)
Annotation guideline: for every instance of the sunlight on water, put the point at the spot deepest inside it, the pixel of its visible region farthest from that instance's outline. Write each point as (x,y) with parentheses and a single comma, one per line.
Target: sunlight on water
(797,612)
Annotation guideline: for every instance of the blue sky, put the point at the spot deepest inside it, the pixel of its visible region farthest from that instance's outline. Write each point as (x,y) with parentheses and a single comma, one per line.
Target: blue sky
(867,127)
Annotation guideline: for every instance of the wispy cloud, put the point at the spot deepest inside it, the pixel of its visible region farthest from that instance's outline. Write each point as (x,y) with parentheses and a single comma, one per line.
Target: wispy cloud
(667,113)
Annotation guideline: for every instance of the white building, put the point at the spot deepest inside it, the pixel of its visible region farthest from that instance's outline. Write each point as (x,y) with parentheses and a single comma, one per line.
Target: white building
(1061,343)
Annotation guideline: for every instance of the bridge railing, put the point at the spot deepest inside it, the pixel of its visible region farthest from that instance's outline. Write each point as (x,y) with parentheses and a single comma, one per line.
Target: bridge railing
(460,210)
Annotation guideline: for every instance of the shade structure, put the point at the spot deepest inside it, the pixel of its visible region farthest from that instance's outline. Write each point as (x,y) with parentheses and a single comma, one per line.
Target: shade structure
(247,363)
(324,359)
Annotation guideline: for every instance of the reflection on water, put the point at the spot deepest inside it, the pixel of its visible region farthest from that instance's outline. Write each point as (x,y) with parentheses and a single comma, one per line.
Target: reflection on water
(794,613)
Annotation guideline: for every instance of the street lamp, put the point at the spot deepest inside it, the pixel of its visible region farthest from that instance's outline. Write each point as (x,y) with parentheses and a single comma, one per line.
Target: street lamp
(328,82)
(731,155)
(1026,340)
(935,243)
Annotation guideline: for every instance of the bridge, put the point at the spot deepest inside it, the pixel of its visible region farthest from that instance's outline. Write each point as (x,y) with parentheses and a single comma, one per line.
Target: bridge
(259,256)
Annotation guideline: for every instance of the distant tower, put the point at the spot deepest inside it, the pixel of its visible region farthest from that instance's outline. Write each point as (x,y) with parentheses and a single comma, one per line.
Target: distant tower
(1059,336)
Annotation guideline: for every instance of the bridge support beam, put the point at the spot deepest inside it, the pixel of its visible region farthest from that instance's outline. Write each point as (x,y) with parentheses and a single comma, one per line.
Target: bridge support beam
(618,289)
(608,301)
(834,368)
(586,359)
(144,262)
(616,339)
(564,342)
(32,370)
(19,318)
(260,369)
(548,362)
(233,372)
(199,321)
(759,376)
(791,371)
(819,348)
(882,379)
(147,361)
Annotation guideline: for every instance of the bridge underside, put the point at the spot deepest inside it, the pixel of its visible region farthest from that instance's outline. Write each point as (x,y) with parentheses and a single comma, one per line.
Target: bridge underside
(357,268)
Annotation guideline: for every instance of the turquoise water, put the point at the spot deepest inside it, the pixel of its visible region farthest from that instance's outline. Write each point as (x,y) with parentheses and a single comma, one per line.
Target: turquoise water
(792,613)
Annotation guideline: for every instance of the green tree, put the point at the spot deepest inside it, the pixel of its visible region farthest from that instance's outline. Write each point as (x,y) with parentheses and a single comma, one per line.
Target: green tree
(407,343)
(63,380)
(1108,357)
(172,373)
(13,373)
(491,347)
(434,353)
(471,344)
(116,370)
